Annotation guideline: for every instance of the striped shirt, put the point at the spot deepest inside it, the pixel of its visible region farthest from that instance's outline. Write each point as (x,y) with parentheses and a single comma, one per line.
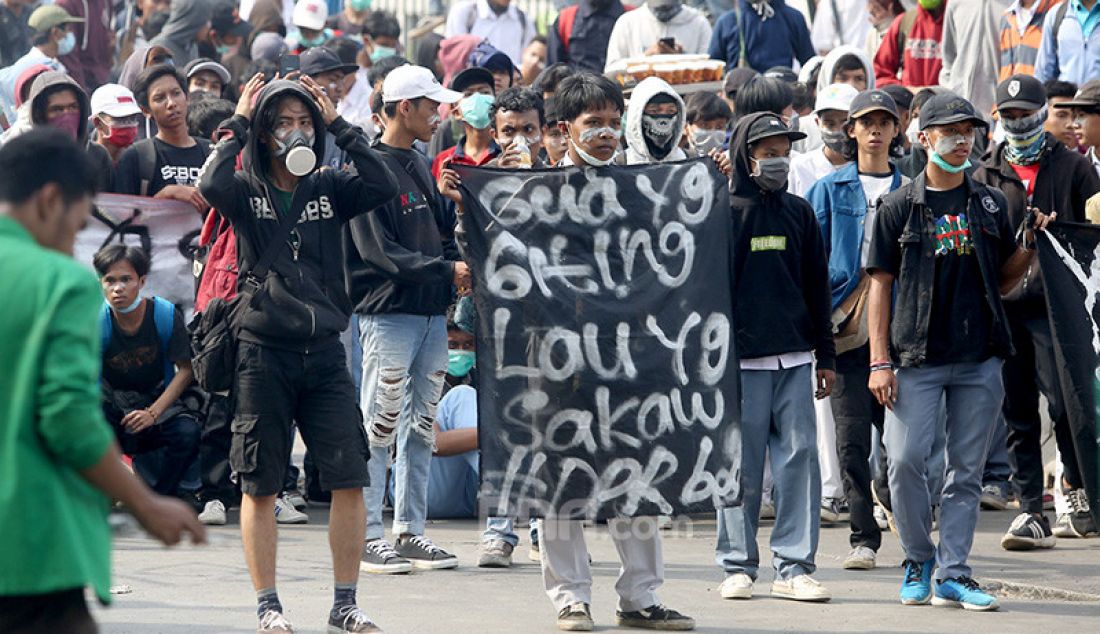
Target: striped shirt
(1019,42)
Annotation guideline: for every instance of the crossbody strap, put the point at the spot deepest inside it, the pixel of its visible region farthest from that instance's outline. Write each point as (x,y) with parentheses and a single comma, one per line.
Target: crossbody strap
(286,224)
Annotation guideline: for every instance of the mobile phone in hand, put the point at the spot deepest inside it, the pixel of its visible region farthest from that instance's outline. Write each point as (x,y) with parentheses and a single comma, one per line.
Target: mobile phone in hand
(669,42)
(289,64)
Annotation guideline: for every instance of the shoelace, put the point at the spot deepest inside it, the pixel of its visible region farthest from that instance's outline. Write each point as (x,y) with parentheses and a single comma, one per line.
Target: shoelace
(352,615)
(382,548)
(912,571)
(968,583)
(1078,501)
(274,618)
(426,545)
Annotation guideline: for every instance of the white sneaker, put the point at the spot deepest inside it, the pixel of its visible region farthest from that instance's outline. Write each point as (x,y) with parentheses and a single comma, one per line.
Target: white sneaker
(860,558)
(736,586)
(273,622)
(213,514)
(800,588)
(296,499)
(285,513)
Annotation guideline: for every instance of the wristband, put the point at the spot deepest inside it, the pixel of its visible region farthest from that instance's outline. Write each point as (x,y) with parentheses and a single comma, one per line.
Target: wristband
(875,367)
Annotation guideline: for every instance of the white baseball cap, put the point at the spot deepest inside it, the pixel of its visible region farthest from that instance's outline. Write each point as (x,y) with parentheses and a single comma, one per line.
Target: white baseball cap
(835,97)
(115,101)
(411,82)
(310,14)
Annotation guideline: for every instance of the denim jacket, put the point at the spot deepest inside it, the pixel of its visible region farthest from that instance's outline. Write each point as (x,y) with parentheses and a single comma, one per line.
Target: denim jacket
(841,207)
(906,208)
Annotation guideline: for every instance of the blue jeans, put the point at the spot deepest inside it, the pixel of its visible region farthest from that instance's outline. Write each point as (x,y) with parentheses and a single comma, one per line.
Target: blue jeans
(777,418)
(998,469)
(404,363)
(171,446)
(974,393)
(504,528)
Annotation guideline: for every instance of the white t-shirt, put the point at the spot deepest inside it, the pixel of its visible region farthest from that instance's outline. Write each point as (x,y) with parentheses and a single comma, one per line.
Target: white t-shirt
(807,169)
(874,188)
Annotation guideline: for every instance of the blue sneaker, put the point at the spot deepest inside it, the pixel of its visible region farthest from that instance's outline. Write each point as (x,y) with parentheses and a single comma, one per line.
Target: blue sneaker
(916,588)
(963,592)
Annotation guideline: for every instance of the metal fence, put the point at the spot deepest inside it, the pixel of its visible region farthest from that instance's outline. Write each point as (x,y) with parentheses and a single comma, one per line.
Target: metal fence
(410,12)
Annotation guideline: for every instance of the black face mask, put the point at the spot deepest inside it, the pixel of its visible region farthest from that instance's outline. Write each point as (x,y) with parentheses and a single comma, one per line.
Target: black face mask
(658,131)
(600,5)
(666,13)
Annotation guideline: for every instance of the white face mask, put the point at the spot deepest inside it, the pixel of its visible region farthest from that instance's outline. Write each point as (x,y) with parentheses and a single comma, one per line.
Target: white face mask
(913,131)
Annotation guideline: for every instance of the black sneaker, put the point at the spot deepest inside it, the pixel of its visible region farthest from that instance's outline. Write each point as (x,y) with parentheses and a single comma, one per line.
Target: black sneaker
(656,617)
(381,559)
(1081,521)
(575,618)
(1028,532)
(350,619)
(424,554)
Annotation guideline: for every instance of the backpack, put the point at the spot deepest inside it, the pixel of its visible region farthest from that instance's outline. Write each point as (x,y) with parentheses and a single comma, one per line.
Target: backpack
(164,317)
(568,16)
(908,19)
(147,161)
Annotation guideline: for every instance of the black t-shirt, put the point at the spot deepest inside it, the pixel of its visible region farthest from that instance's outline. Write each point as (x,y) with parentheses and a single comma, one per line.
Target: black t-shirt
(959,326)
(134,362)
(175,166)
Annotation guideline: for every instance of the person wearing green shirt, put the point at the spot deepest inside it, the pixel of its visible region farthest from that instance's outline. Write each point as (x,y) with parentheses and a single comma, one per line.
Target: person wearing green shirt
(58,459)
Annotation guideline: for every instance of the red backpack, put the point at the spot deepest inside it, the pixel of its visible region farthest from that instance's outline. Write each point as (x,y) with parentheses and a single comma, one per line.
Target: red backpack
(219,274)
(568,16)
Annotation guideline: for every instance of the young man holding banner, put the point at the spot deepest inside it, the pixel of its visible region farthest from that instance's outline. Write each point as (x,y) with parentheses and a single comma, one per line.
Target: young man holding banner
(944,245)
(590,109)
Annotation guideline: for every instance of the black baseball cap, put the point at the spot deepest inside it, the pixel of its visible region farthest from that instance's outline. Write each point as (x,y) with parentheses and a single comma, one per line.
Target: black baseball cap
(782,73)
(772,125)
(949,108)
(470,76)
(735,79)
(1021,91)
(901,95)
(1087,97)
(870,101)
(225,20)
(319,60)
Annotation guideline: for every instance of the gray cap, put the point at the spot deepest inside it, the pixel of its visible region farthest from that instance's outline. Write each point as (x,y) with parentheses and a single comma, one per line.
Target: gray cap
(268,46)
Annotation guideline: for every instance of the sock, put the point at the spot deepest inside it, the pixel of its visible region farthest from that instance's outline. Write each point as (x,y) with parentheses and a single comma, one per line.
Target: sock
(268,599)
(343,595)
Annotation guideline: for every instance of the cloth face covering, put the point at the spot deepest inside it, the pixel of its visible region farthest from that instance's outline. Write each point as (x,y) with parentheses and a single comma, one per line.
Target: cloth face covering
(1025,138)
(771,173)
(664,13)
(658,130)
(835,140)
(707,140)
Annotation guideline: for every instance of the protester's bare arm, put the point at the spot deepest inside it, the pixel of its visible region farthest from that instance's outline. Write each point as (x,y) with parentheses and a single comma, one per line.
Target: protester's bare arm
(141,419)
(455,441)
(883,383)
(166,519)
(185,194)
(1015,268)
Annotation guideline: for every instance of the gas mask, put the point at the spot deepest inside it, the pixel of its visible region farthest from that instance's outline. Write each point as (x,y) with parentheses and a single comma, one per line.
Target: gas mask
(296,148)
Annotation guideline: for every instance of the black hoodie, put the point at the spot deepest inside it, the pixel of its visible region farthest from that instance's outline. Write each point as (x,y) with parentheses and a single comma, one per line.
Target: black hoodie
(781,271)
(302,304)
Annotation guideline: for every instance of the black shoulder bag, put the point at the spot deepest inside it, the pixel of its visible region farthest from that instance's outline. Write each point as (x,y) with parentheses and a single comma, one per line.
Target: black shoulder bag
(214,331)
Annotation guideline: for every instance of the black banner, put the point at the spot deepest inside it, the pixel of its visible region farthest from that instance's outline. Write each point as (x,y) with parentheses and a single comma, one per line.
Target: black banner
(608,382)
(1069,256)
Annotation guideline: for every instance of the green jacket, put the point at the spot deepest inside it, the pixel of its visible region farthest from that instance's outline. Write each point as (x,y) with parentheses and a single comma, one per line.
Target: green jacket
(51,425)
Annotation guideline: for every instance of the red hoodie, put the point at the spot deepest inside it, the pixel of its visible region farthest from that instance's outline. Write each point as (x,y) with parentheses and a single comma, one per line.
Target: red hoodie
(923,51)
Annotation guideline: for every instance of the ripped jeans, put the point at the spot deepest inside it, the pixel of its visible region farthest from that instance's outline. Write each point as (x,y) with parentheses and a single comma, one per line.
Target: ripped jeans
(404,363)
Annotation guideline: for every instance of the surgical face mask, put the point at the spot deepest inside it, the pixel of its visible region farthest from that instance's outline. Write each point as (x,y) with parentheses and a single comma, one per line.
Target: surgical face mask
(129,309)
(360,5)
(589,134)
(913,131)
(69,122)
(707,140)
(659,128)
(66,44)
(930,5)
(771,173)
(123,136)
(316,41)
(835,140)
(296,148)
(475,110)
(460,362)
(947,145)
(667,12)
(381,52)
(222,49)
